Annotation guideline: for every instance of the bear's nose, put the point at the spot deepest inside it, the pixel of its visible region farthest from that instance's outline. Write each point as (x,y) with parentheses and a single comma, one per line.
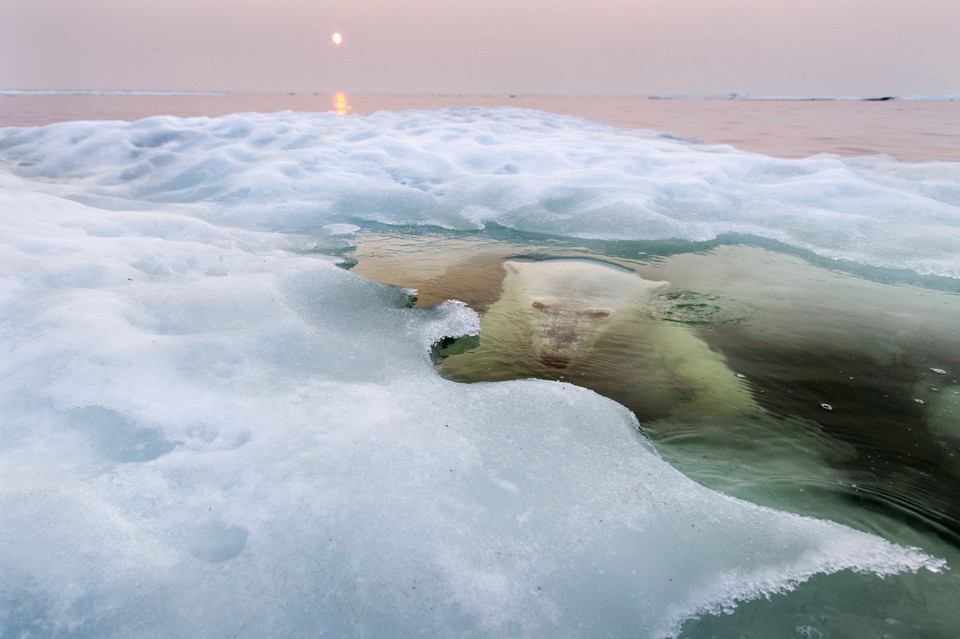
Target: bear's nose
(554,361)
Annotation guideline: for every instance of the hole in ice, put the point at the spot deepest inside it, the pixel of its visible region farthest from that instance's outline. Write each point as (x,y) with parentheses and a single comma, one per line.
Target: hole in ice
(215,541)
(118,437)
(447,346)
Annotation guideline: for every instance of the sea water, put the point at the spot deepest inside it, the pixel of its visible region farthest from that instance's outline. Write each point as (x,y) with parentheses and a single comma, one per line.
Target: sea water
(907,129)
(211,426)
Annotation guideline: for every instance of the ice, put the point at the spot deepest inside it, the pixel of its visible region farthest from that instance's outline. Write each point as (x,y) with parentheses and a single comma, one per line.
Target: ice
(208,427)
(467,168)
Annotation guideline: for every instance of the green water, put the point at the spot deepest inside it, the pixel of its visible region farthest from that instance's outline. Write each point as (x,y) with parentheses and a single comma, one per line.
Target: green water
(855,375)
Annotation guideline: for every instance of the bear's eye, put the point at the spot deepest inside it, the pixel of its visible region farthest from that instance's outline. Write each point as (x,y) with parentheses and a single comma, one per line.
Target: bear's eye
(598,314)
(540,306)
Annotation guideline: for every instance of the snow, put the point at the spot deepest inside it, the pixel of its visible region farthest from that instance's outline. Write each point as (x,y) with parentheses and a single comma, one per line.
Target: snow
(208,427)
(466,168)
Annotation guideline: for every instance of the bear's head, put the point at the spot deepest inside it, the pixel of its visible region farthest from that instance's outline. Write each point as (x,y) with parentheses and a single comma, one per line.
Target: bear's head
(568,302)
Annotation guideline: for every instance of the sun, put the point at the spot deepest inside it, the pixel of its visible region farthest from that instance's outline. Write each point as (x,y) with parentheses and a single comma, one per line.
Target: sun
(336,37)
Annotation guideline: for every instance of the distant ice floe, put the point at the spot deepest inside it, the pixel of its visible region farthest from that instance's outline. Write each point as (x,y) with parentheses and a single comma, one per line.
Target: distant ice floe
(106,92)
(208,427)
(809,97)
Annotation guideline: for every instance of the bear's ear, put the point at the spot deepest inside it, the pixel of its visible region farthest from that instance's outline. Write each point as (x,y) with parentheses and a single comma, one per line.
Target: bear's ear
(658,287)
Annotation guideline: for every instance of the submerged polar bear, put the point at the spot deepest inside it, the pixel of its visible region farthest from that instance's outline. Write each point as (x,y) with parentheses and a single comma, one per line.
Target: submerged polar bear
(588,323)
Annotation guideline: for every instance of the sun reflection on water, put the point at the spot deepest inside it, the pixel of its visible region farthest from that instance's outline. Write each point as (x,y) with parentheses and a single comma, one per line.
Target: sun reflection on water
(340,103)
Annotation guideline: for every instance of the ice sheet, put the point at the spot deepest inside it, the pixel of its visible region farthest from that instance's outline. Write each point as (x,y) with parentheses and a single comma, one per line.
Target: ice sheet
(207,425)
(465,168)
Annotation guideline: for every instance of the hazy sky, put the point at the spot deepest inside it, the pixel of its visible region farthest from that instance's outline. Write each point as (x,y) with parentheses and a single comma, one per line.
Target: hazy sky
(612,47)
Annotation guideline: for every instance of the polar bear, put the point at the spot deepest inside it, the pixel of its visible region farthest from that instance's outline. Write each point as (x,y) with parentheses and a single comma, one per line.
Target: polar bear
(588,323)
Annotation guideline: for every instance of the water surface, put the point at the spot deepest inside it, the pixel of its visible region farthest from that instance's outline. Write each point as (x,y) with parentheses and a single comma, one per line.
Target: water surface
(858,381)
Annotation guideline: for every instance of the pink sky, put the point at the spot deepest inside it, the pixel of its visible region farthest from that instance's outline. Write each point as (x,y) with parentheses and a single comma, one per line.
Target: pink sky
(605,47)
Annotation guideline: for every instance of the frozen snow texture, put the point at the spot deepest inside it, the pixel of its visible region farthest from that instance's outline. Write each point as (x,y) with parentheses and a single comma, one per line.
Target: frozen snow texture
(465,168)
(208,427)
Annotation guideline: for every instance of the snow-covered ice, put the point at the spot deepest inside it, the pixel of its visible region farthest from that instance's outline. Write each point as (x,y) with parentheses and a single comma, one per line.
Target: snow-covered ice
(469,167)
(207,425)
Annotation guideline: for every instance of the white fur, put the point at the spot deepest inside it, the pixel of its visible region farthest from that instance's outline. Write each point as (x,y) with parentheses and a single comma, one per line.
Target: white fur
(560,318)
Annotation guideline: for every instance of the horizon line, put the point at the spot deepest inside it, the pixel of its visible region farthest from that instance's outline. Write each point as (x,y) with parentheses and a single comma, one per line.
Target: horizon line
(658,96)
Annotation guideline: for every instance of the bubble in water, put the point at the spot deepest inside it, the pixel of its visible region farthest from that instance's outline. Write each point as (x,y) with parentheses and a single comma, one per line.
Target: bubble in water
(808,632)
(691,307)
